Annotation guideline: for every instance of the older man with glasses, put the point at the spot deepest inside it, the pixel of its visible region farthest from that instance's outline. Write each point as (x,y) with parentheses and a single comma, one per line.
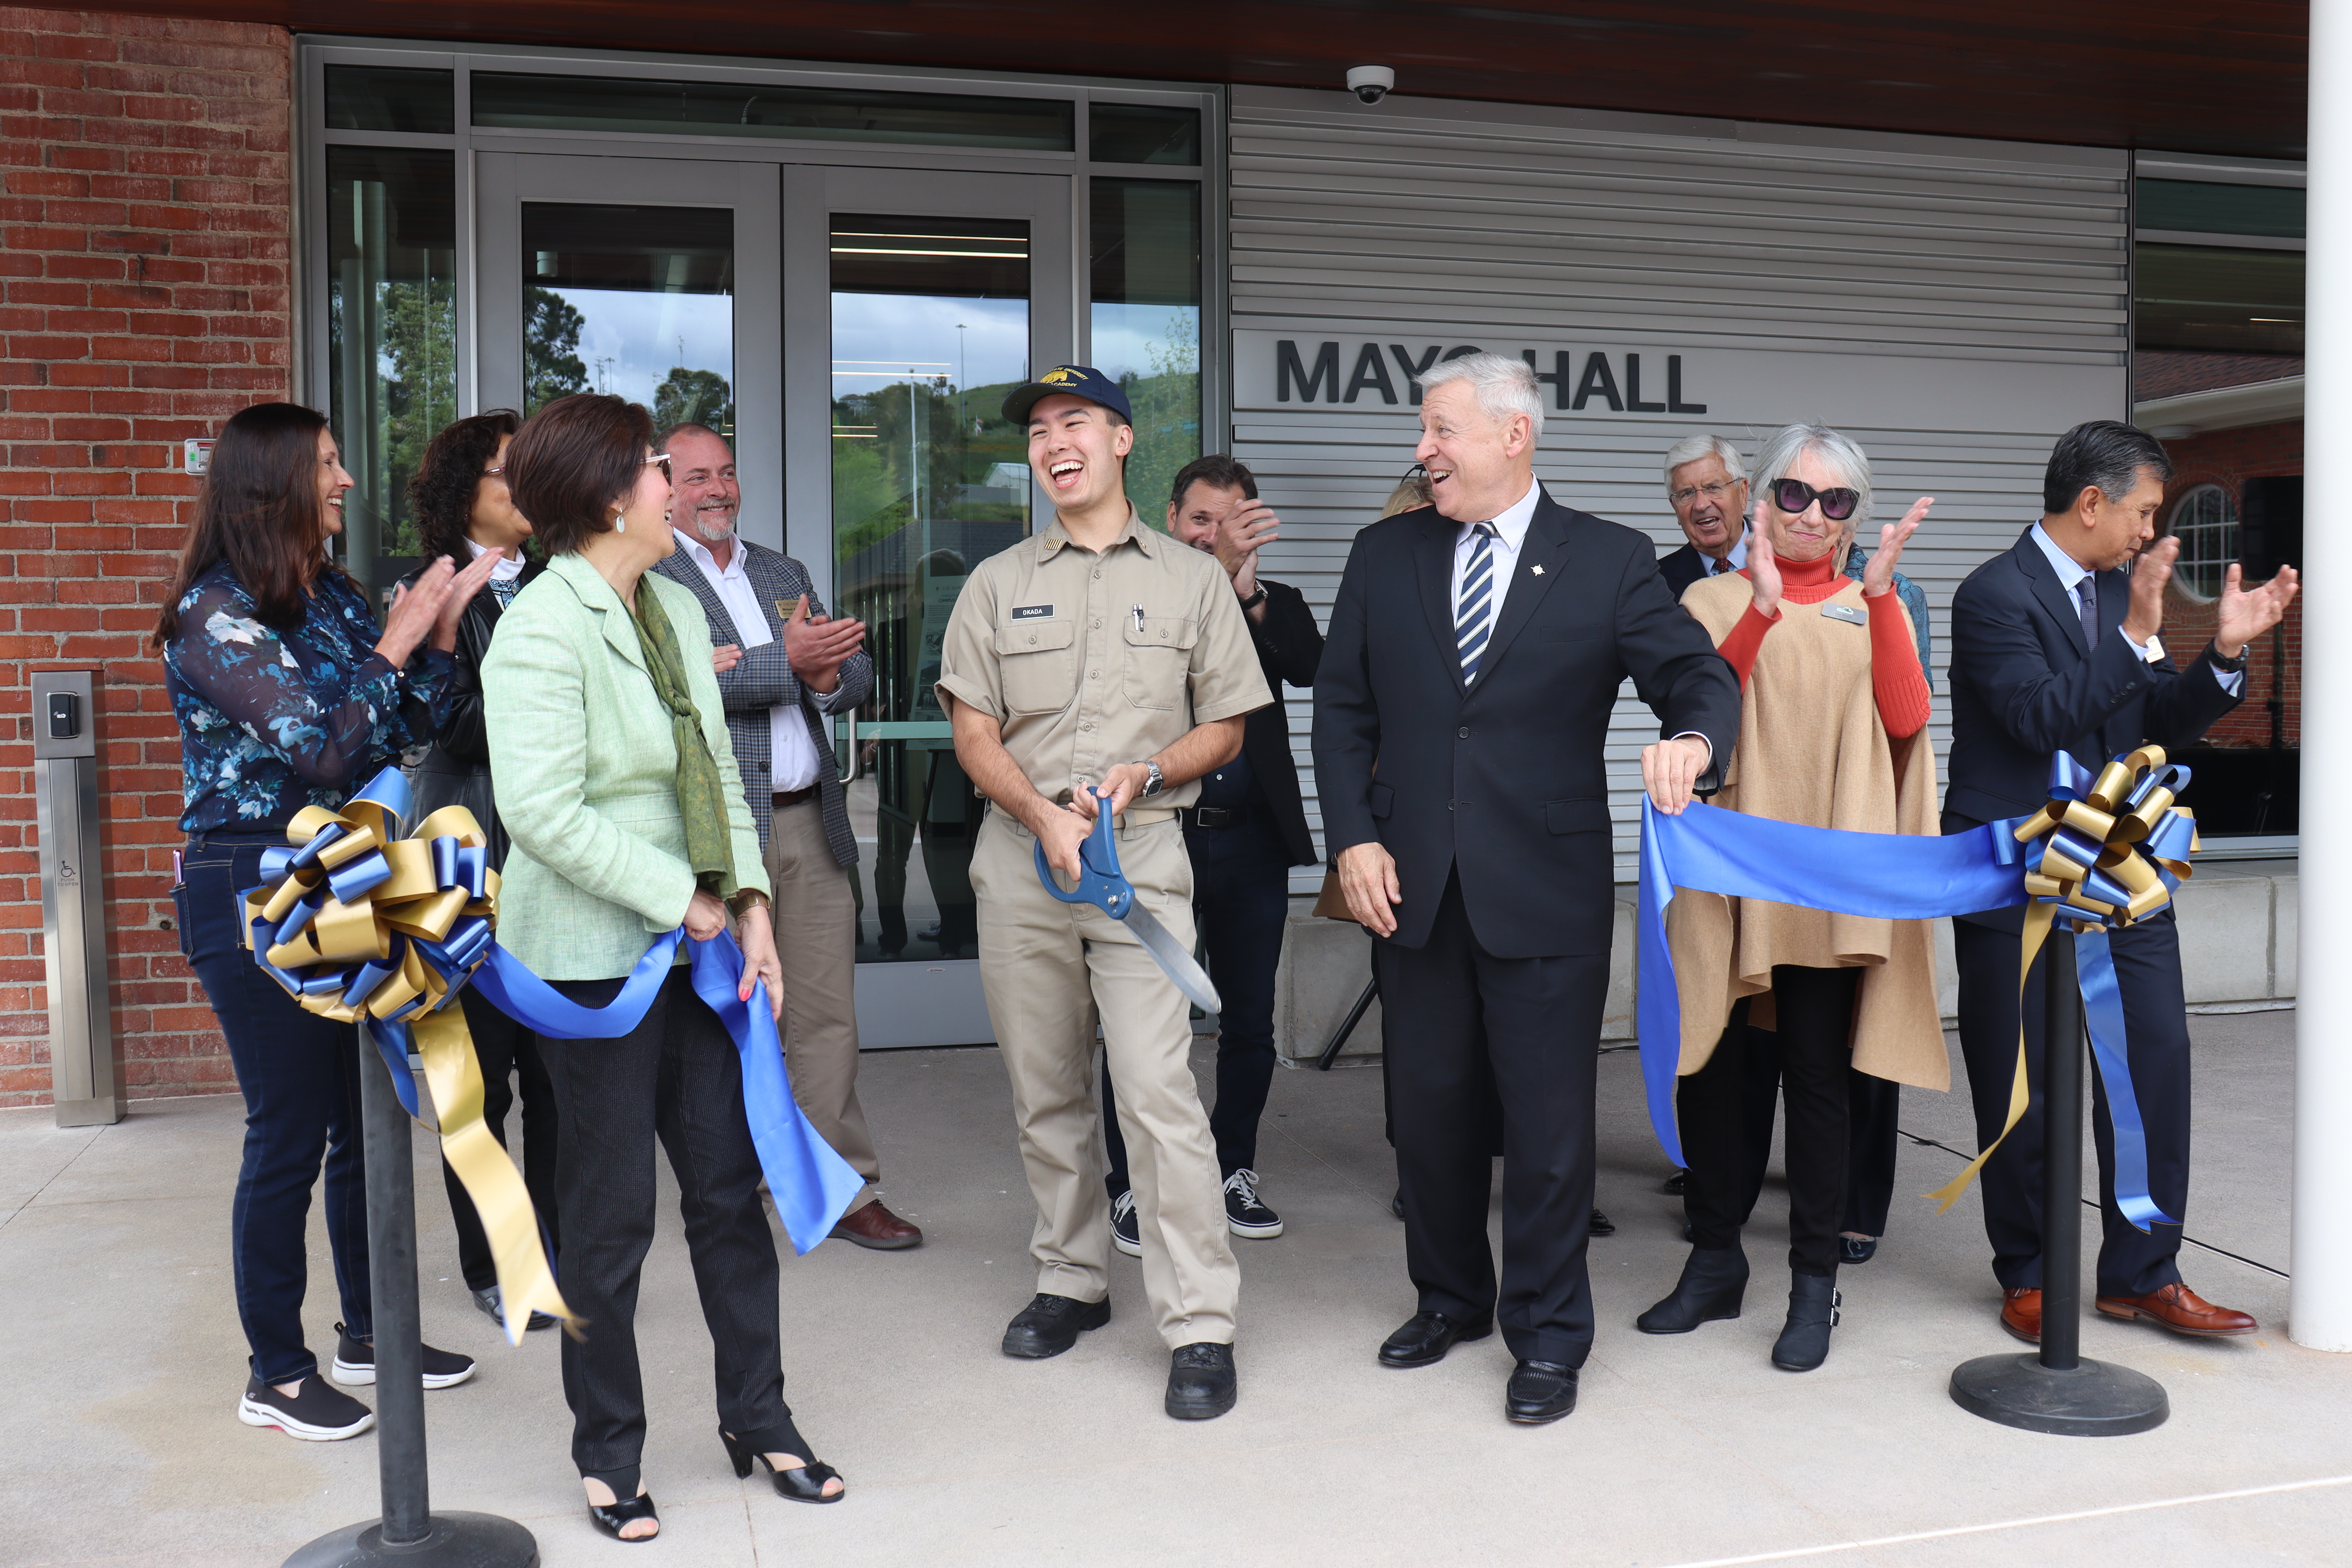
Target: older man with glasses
(1707,484)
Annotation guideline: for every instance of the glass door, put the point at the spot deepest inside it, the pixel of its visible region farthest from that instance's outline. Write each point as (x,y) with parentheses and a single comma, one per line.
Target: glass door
(940,293)
(654,278)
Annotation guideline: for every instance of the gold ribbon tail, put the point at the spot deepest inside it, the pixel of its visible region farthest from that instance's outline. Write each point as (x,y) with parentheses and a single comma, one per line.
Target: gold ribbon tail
(2038,918)
(487,1171)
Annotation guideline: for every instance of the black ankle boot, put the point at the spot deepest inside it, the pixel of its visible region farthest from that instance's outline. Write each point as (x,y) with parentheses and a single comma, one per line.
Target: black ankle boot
(1804,1341)
(1713,1281)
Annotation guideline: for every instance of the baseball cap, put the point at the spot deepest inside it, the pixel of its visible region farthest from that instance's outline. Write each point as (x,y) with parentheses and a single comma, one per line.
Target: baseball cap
(1079,381)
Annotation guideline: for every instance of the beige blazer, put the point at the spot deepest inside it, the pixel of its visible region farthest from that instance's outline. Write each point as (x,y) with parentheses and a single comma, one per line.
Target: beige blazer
(585,773)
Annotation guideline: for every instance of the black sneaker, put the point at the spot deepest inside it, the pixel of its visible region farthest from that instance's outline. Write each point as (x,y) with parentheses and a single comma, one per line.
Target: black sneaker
(355,1364)
(487,1299)
(1126,1230)
(316,1414)
(1245,1215)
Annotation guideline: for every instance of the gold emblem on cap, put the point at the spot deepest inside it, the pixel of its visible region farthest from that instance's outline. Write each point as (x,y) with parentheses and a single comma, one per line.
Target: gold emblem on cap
(1060,373)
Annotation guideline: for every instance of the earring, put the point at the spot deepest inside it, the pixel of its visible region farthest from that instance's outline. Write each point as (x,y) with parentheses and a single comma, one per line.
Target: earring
(620,522)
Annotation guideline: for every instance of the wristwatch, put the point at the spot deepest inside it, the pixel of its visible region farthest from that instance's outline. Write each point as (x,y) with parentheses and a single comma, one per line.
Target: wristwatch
(1154,783)
(2226,666)
(1256,598)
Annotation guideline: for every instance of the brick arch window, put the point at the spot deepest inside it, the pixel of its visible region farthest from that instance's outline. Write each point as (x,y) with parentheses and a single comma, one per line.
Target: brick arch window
(2205,521)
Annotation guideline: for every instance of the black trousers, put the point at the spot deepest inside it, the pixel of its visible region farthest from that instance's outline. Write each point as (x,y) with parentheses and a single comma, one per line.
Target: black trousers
(1715,1108)
(2156,1022)
(506,1051)
(1462,1025)
(1873,1107)
(1241,900)
(676,1077)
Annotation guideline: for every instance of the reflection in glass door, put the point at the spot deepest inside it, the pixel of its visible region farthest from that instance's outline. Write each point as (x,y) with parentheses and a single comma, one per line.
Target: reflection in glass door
(931,330)
(634,301)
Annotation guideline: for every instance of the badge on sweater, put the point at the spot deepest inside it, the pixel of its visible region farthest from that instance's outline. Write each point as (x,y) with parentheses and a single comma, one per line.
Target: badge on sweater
(1845,613)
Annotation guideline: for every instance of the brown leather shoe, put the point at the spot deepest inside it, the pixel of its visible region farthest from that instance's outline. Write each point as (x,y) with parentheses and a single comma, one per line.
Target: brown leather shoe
(875,1226)
(2182,1311)
(2021,1314)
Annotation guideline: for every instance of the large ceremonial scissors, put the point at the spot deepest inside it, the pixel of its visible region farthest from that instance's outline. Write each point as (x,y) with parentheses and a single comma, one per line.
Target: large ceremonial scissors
(1102,884)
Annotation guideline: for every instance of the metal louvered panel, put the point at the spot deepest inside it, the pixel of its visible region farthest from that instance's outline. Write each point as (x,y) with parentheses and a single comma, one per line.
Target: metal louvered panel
(1952,305)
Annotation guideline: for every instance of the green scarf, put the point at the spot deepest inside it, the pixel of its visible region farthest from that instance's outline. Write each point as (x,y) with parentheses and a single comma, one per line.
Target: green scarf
(701,798)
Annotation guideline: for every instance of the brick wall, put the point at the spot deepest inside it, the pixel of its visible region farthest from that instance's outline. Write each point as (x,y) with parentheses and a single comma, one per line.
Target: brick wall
(144,239)
(2229,459)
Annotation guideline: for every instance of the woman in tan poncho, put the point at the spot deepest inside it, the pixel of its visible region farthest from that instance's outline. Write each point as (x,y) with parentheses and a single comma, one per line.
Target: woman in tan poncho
(1831,734)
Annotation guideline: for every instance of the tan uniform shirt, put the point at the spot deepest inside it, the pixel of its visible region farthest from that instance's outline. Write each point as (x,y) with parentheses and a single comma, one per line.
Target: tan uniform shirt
(1093,660)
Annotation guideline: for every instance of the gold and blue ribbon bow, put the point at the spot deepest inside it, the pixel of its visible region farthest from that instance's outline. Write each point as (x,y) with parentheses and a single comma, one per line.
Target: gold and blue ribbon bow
(365,925)
(2105,853)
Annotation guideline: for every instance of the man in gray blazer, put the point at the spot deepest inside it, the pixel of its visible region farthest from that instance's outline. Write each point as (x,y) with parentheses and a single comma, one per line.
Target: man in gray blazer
(783,667)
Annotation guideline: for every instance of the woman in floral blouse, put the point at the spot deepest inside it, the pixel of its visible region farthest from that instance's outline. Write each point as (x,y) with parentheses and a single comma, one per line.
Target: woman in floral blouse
(288,695)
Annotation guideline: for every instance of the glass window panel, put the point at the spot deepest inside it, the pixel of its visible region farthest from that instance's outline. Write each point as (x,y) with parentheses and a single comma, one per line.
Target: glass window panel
(2218,299)
(1146,271)
(2206,208)
(931,330)
(1143,133)
(2206,523)
(635,300)
(391,97)
(392,341)
(533,102)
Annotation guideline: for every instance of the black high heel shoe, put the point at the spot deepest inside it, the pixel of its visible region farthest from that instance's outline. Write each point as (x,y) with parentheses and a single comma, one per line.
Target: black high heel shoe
(609,1517)
(806,1484)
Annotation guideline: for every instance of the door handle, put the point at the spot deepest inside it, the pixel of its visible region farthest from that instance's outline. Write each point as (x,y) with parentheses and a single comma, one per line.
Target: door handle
(855,763)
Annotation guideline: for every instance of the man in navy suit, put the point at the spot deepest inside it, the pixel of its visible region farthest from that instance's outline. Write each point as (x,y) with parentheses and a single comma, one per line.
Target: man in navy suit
(2055,648)
(1476,651)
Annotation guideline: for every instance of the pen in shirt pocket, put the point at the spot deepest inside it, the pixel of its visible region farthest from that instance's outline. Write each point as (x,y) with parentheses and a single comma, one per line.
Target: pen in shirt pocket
(1139,618)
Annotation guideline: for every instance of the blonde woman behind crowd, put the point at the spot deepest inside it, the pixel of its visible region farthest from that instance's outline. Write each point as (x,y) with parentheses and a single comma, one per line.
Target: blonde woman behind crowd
(1833,714)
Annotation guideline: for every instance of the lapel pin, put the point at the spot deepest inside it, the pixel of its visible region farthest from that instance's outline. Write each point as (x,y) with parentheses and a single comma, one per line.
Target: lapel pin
(1537,569)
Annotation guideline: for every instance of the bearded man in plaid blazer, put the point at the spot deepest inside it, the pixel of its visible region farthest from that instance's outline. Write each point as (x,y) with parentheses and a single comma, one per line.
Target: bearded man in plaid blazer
(785,667)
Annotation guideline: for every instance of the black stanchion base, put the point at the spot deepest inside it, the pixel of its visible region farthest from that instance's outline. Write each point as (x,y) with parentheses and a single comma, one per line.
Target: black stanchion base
(2094,1400)
(455,1541)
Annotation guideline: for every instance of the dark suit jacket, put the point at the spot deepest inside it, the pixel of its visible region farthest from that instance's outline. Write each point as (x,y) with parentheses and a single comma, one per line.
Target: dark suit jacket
(1505,781)
(764,679)
(1288,648)
(1681,568)
(457,770)
(2024,687)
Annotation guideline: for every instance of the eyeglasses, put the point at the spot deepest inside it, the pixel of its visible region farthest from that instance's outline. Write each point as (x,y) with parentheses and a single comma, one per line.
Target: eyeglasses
(494,471)
(1795,496)
(663,458)
(1715,490)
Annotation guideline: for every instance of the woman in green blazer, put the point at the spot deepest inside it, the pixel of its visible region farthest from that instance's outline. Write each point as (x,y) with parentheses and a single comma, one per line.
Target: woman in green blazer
(617,783)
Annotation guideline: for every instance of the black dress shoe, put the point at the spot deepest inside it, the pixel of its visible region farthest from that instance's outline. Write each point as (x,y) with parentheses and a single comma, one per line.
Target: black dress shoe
(1427,1336)
(1601,1224)
(1674,1187)
(1051,1324)
(1396,1203)
(1539,1391)
(1714,1281)
(1804,1341)
(1200,1382)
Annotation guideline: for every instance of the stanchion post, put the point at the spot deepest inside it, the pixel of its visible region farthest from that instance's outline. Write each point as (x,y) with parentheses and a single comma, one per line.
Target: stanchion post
(2062,1154)
(2056,1390)
(408,1533)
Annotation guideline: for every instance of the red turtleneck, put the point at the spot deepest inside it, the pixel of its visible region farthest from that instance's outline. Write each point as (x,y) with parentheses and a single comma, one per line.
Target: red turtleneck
(1895,676)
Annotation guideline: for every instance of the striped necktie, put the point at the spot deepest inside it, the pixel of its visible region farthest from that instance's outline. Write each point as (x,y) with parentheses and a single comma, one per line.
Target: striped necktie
(1473,613)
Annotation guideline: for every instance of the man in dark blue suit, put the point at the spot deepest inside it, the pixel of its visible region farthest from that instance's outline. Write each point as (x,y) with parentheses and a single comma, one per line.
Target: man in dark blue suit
(2055,648)
(1476,651)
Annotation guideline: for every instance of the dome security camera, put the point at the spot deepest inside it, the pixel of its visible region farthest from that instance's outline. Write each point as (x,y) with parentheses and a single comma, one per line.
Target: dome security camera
(1370,83)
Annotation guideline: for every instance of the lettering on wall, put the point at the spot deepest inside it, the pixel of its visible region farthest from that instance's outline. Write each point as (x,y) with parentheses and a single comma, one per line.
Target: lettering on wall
(1390,373)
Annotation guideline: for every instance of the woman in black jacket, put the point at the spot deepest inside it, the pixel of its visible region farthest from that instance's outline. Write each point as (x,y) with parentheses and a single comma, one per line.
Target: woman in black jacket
(463,510)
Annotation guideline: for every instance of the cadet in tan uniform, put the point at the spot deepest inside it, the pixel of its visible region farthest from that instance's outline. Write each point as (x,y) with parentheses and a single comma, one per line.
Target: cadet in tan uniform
(1101,654)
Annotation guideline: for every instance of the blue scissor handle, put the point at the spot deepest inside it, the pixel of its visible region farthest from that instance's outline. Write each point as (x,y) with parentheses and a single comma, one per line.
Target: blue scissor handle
(1101,881)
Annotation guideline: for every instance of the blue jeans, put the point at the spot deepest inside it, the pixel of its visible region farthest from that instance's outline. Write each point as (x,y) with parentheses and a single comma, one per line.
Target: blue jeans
(1241,899)
(299,1075)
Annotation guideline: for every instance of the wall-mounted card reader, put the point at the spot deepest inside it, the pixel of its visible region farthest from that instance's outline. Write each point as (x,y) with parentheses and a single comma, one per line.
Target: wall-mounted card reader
(83,1084)
(65,715)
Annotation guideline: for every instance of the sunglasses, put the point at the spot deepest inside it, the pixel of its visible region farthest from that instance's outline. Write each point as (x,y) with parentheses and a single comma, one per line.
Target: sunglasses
(1794,496)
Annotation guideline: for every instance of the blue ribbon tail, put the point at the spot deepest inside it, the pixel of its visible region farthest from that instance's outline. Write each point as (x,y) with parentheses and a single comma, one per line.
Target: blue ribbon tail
(523,996)
(1658,1012)
(2103,1010)
(392,1043)
(811,1186)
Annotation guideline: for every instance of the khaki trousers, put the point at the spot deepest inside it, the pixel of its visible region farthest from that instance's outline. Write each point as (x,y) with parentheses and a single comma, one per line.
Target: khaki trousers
(1051,969)
(815,921)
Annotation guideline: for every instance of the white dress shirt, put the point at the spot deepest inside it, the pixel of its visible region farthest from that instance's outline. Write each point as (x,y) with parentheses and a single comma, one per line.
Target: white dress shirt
(508,568)
(2071,573)
(792,764)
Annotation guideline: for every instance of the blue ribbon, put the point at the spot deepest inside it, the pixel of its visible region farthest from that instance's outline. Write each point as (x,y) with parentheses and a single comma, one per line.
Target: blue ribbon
(1888,876)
